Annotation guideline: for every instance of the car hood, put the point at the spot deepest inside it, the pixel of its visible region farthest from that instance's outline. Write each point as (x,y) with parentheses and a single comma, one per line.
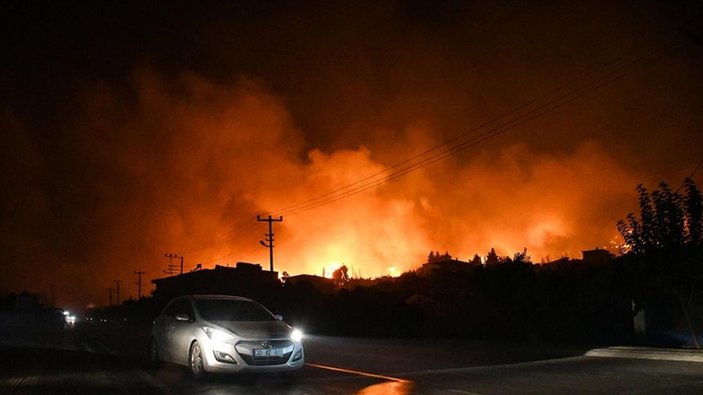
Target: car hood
(257,329)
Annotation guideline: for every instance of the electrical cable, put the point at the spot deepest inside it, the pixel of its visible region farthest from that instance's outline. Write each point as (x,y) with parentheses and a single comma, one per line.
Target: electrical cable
(574,89)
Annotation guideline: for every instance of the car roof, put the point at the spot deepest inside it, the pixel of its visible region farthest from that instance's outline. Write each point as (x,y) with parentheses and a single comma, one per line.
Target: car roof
(226,297)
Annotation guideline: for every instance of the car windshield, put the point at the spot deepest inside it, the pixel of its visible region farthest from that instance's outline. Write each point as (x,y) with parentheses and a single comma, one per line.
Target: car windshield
(232,310)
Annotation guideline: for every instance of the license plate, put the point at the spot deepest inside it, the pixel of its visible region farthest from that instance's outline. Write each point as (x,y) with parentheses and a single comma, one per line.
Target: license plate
(268,352)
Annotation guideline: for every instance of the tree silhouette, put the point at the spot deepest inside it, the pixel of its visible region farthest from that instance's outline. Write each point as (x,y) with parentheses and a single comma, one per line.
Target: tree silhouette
(435,256)
(522,257)
(476,260)
(340,277)
(492,258)
(665,245)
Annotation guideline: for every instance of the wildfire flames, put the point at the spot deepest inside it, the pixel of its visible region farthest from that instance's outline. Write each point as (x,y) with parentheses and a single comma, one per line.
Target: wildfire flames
(130,131)
(187,168)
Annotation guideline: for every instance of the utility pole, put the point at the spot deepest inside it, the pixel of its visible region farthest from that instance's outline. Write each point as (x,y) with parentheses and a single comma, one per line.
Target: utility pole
(171,256)
(109,293)
(118,291)
(170,270)
(139,284)
(269,236)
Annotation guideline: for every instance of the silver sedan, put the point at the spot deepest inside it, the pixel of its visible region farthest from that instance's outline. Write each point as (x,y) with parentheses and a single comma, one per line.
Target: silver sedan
(224,334)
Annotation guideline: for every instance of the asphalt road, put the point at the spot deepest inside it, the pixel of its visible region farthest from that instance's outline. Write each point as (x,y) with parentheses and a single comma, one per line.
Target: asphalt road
(109,358)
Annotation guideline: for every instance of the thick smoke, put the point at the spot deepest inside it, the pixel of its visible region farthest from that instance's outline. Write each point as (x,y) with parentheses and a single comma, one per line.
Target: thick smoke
(127,139)
(184,166)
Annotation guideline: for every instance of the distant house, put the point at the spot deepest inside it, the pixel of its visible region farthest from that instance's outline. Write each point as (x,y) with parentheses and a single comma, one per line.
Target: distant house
(322,284)
(445,265)
(596,256)
(246,279)
(27,302)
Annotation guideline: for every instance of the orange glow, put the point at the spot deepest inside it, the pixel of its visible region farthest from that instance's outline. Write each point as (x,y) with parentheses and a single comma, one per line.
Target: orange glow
(216,156)
(329,269)
(391,385)
(393,271)
(388,388)
(544,204)
(546,228)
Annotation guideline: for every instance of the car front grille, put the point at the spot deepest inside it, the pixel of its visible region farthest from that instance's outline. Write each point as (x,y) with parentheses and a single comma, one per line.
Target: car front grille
(246,351)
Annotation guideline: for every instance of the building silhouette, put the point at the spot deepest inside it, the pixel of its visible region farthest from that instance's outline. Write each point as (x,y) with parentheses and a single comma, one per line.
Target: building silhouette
(445,264)
(596,256)
(245,279)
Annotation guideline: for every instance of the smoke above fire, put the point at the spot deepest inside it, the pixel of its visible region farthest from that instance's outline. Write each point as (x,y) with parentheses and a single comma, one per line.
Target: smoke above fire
(185,166)
(130,131)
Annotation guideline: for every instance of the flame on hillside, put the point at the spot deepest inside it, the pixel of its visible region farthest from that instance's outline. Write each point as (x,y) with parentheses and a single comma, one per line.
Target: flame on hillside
(187,166)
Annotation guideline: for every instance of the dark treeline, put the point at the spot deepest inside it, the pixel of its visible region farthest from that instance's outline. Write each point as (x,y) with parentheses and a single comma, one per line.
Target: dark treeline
(566,301)
(659,273)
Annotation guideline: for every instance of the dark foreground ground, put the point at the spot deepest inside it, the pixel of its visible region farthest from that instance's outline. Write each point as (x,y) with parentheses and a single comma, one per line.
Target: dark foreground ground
(109,358)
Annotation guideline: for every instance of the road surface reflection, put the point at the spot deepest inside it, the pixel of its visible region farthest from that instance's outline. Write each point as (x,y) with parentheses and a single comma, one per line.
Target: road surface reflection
(401,387)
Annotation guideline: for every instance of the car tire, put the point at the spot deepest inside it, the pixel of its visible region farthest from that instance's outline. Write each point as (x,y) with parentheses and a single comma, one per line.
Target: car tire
(154,358)
(196,368)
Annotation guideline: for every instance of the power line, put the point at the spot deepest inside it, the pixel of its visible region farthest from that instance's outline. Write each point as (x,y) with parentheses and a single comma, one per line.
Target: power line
(439,147)
(395,170)
(240,252)
(244,238)
(693,173)
(243,229)
(555,98)
(458,143)
(698,167)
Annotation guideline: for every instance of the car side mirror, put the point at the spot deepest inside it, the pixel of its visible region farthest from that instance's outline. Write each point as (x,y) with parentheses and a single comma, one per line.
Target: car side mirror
(182,317)
(279,317)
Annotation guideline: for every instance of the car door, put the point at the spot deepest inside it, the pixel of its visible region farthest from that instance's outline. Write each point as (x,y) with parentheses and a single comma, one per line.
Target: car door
(163,326)
(181,330)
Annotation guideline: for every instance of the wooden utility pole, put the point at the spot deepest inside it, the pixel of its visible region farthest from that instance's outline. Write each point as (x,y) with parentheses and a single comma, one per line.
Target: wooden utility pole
(139,284)
(118,291)
(269,236)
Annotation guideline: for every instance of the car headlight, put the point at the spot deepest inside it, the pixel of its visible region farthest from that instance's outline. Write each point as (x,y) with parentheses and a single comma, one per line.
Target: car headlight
(217,334)
(296,335)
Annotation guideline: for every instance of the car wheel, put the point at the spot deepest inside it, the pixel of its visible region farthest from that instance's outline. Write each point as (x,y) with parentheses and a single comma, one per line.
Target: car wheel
(195,361)
(154,358)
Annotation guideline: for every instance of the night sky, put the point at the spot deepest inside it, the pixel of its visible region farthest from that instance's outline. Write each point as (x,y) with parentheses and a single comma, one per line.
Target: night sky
(135,129)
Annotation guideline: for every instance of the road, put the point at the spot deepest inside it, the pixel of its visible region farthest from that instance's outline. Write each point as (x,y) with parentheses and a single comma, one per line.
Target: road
(109,358)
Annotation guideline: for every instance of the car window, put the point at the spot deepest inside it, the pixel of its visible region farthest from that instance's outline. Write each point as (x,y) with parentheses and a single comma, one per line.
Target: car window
(170,309)
(232,310)
(180,306)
